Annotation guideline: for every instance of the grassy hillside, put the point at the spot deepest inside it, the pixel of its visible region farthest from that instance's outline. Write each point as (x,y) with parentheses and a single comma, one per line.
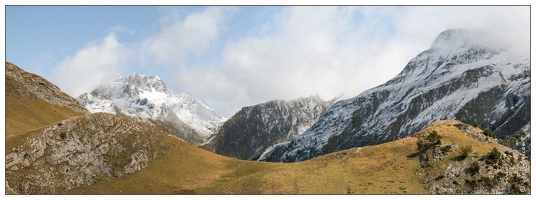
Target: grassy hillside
(26,111)
(79,151)
(42,113)
(391,168)
(192,170)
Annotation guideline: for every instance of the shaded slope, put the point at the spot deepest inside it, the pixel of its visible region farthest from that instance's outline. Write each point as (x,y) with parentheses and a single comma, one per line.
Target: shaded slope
(249,132)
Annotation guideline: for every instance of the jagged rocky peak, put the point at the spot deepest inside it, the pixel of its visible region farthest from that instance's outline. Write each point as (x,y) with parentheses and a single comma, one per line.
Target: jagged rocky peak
(140,83)
(453,39)
(253,129)
(453,46)
(132,87)
(462,39)
(148,98)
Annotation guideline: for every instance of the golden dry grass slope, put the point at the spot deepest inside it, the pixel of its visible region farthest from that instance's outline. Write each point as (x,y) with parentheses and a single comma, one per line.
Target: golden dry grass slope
(391,168)
(78,151)
(33,102)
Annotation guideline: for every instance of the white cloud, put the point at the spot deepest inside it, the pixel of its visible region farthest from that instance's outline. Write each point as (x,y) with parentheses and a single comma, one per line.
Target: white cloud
(511,23)
(96,63)
(326,51)
(315,50)
(181,37)
(307,50)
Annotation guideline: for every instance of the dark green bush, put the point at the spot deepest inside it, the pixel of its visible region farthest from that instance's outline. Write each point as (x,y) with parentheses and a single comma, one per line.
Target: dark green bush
(489,133)
(492,157)
(63,135)
(446,148)
(471,183)
(431,140)
(434,138)
(474,168)
(465,151)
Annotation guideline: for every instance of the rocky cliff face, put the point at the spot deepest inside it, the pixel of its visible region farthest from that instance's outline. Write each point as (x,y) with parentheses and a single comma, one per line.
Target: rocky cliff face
(79,151)
(148,98)
(462,76)
(30,86)
(253,129)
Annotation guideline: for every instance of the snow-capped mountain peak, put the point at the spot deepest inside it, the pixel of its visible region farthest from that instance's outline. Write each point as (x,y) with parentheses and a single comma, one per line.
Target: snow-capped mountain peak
(463,76)
(149,98)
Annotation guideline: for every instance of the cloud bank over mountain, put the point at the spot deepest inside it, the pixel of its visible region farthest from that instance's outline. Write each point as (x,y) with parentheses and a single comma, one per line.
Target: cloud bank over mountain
(287,52)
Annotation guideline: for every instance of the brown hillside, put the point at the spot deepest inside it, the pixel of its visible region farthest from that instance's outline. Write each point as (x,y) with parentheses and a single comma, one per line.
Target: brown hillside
(397,167)
(33,102)
(79,151)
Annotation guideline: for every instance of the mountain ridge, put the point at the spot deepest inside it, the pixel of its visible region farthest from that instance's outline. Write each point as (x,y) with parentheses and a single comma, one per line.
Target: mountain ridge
(149,98)
(33,86)
(33,102)
(475,84)
(254,128)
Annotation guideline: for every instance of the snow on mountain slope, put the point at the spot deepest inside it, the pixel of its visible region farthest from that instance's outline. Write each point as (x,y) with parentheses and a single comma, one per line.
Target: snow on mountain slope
(253,129)
(462,76)
(149,98)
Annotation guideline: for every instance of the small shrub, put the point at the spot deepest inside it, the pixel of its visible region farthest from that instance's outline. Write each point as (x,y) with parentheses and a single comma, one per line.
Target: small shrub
(455,182)
(465,151)
(500,175)
(440,177)
(492,157)
(512,161)
(489,133)
(63,135)
(446,149)
(488,182)
(431,140)
(471,183)
(474,168)
(434,138)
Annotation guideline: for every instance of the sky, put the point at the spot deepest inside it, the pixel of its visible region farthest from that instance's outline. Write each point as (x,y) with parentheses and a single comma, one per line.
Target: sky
(237,56)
